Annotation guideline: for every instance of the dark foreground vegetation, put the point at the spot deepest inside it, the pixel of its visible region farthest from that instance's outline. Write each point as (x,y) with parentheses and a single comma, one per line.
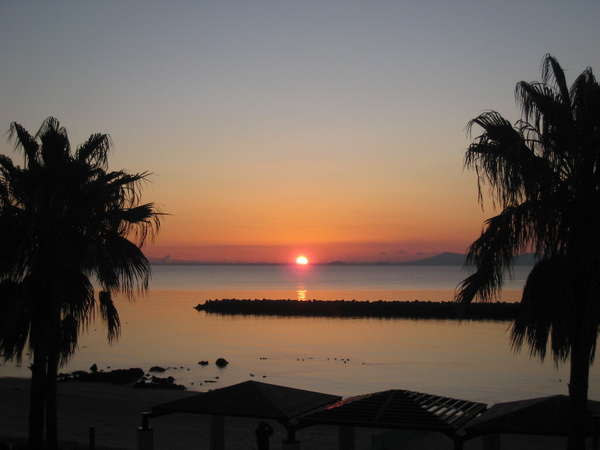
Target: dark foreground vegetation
(352,308)
(10,443)
(65,219)
(542,175)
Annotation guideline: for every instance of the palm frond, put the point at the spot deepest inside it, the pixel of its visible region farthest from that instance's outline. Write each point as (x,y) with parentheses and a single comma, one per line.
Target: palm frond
(110,315)
(546,313)
(51,125)
(539,101)
(585,94)
(122,266)
(56,147)
(553,73)
(26,142)
(76,295)
(503,160)
(69,338)
(140,222)
(95,150)
(13,263)
(505,236)
(14,321)
(582,84)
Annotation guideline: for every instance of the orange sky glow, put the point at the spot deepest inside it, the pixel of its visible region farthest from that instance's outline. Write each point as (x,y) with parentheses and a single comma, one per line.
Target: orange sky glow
(329,129)
(355,209)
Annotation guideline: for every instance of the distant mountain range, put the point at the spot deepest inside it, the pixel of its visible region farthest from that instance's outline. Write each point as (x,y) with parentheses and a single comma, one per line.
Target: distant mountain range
(458,259)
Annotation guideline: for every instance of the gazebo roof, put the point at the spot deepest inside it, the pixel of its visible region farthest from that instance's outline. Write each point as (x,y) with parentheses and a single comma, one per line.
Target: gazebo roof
(398,409)
(535,416)
(250,399)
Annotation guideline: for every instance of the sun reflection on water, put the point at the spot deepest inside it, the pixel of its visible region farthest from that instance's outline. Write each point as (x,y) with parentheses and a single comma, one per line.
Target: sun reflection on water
(301,294)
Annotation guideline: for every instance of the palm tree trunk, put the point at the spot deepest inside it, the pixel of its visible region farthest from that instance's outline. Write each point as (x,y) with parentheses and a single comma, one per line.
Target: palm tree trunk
(51,403)
(54,333)
(578,387)
(36,400)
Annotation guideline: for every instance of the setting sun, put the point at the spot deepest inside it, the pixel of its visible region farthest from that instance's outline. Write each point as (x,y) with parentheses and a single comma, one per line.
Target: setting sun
(302,260)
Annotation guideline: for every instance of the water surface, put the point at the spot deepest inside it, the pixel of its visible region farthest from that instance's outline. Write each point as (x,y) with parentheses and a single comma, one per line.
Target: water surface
(469,359)
(360,282)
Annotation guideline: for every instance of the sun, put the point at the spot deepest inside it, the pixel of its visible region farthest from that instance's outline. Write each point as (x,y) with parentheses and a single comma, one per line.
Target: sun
(302,260)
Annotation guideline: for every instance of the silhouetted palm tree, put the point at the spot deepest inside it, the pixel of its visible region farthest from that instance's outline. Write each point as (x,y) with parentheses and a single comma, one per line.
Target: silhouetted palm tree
(64,218)
(544,173)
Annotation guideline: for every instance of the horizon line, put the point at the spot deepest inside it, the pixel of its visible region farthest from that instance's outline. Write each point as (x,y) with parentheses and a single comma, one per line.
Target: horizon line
(439,259)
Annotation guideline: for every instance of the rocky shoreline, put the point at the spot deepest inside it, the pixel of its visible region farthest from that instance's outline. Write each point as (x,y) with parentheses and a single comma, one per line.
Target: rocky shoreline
(135,376)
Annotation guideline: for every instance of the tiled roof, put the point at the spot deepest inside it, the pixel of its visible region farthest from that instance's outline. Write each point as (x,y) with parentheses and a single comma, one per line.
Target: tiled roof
(541,416)
(250,399)
(399,409)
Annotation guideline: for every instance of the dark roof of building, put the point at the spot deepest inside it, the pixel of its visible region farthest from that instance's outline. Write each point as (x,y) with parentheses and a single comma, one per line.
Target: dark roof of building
(535,416)
(250,399)
(398,409)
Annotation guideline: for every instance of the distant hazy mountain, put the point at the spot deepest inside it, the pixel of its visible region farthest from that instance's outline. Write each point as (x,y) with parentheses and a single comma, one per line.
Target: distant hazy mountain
(443,259)
(458,259)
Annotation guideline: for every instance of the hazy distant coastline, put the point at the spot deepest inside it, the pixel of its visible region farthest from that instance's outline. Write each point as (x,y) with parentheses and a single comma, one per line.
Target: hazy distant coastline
(441,259)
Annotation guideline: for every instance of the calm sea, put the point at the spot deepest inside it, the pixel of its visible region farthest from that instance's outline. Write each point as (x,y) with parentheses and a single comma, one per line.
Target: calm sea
(471,360)
(360,282)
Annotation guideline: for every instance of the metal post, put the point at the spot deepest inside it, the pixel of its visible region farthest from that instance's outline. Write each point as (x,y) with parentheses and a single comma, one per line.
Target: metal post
(92,438)
(346,438)
(217,433)
(491,442)
(145,434)
(458,443)
(290,443)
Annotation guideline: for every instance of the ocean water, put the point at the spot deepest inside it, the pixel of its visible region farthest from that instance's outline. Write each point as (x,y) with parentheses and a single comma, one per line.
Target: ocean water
(469,359)
(326,282)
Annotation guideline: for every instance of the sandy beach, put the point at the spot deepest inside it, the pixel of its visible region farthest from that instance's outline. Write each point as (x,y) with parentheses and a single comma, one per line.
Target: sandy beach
(115,413)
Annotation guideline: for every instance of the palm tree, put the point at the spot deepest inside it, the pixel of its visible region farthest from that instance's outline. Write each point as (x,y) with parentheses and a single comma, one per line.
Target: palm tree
(543,172)
(64,220)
